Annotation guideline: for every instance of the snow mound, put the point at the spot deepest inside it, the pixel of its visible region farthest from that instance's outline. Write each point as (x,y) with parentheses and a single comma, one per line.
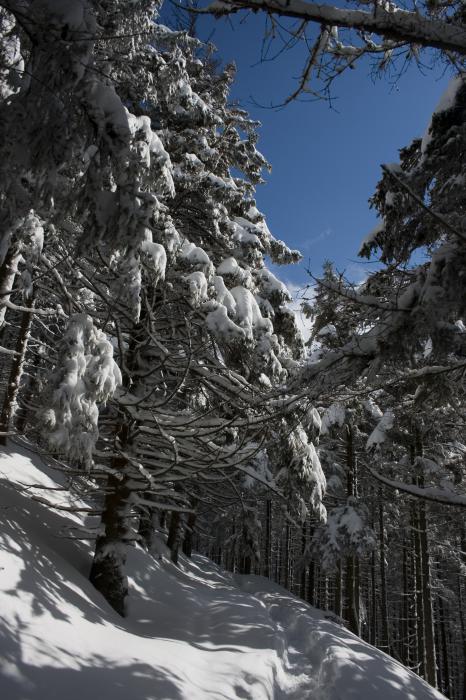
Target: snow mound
(194,632)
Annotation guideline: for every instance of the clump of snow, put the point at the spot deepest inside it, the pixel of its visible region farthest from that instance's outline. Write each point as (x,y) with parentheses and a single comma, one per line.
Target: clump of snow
(245,233)
(271,287)
(197,285)
(85,376)
(107,109)
(224,296)
(192,633)
(328,330)
(371,237)
(333,415)
(446,102)
(379,434)
(157,255)
(234,274)
(194,255)
(248,314)
(222,327)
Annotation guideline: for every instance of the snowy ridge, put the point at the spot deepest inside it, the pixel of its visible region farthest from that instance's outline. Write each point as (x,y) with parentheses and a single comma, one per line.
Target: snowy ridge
(194,632)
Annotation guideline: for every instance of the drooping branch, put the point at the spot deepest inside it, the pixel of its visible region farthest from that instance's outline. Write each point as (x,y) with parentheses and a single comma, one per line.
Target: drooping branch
(394,23)
(428,493)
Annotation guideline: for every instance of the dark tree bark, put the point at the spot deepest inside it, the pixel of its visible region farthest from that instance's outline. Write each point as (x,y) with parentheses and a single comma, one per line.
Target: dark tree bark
(338,591)
(174,535)
(311,585)
(430,666)
(107,571)
(302,582)
(189,535)
(445,685)
(385,641)
(268,539)
(16,372)
(286,558)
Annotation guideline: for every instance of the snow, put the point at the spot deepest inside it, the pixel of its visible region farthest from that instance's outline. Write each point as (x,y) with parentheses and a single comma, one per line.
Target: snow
(86,375)
(224,296)
(157,254)
(107,109)
(222,327)
(244,237)
(194,255)
(248,313)
(271,287)
(446,101)
(197,285)
(334,415)
(371,237)
(193,633)
(230,268)
(379,434)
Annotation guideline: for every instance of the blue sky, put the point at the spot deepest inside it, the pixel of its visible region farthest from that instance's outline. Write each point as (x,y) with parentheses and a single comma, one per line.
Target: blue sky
(325,162)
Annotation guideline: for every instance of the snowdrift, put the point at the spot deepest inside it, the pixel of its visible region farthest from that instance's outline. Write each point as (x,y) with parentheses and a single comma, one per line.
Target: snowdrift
(192,633)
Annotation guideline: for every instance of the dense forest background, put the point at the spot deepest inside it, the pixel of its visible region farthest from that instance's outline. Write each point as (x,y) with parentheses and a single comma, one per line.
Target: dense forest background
(150,354)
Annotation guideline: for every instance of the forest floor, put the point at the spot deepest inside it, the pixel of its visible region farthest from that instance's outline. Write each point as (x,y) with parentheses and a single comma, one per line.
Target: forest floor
(192,633)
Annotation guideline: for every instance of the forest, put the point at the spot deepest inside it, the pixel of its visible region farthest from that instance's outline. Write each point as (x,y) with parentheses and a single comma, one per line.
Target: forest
(151,359)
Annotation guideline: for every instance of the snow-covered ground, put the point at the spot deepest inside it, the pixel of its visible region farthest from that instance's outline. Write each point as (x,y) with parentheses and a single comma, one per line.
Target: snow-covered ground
(193,633)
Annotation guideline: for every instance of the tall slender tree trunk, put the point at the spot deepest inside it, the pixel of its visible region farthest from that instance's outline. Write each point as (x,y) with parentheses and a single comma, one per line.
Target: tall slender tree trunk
(268,539)
(446,690)
(405,631)
(431,665)
(189,534)
(419,602)
(311,584)
(287,557)
(107,571)
(352,568)
(418,588)
(462,602)
(374,615)
(14,381)
(174,535)
(338,590)
(302,583)
(8,271)
(352,589)
(430,668)
(385,641)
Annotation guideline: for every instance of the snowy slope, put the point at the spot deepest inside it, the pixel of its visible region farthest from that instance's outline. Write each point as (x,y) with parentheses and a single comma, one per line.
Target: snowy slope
(194,633)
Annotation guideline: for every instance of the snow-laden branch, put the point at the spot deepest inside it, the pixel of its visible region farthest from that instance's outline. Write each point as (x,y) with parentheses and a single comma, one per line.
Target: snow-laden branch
(396,23)
(428,493)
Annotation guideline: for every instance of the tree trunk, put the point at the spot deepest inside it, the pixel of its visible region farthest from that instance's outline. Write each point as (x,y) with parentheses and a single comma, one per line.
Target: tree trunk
(338,591)
(286,562)
(8,270)
(374,616)
(352,589)
(302,583)
(430,668)
(311,584)
(445,687)
(174,535)
(268,539)
(352,578)
(9,403)
(107,572)
(147,524)
(462,627)
(188,535)
(431,673)
(384,642)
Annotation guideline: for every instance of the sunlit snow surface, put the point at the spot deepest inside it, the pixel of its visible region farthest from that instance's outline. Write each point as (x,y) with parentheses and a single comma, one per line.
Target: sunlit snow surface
(193,633)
